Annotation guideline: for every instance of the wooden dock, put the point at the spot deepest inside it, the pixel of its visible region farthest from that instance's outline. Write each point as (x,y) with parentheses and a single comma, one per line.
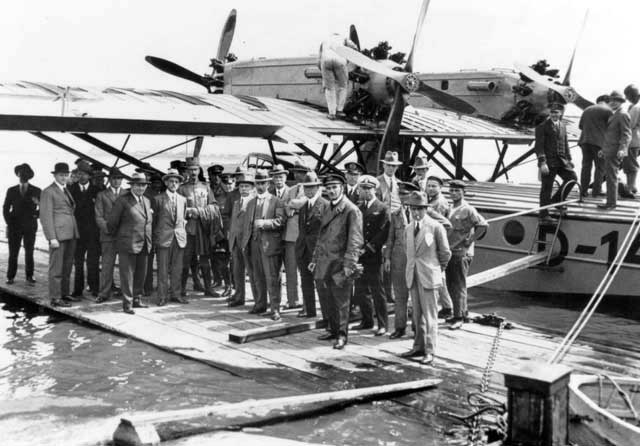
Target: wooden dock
(201,329)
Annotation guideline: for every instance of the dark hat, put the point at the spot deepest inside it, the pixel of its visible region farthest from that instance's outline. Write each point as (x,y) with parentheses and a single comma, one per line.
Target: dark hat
(391,158)
(155,177)
(556,106)
(368,181)
(406,188)
(615,95)
(98,173)
(278,169)
(227,177)
(311,179)
(353,167)
(421,163)
(333,178)
(261,176)
(84,166)
(145,168)
(114,172)
(138,178)
(80,160)
(24,167)
(417,199)
(192,161)
(60,168)
(457,184)
(216,169)
(172,173)
(435,178)
(300,166)
(245,177)
(176,164)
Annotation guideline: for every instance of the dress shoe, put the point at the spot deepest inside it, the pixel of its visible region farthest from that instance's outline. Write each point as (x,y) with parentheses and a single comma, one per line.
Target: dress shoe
(326,337)
(162,302)
(10,281)
(139,304)
(380,332)
(72,298)
(456,325)
(292,306)
(210,293)
(275,316)
(31,280)
(411,353)
(340,343)
(267,313)
(363,326)
(235,303)
(445,313)
(59,303)
(255,310)
(302,313)
(397,334)
(129,310)
(180,300)
(427,359)
(227,292)
(606,207)
(77,295)
(101,299)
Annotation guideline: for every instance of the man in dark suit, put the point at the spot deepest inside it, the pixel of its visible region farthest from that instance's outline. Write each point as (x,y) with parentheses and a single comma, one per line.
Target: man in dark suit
(335,256)
(375,229)
(131,220)
(554,157)
(61,230)
(309,220)
(593,123)
(20,212)
(266,247)
(353,171)
(88,246)
(617,138)
(104,203)
(170,237)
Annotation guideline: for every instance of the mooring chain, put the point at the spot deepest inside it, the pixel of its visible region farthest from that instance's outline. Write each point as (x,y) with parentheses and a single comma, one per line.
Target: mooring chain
(486,375)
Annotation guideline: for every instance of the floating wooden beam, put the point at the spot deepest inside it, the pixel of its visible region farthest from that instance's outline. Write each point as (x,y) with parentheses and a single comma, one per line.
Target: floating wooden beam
(273,331)
(505,269)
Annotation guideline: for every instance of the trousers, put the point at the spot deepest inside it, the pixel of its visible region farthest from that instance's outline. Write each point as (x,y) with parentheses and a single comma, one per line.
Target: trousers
(591,159)
(425,317)
(370,284)
(18,235)
(109,252)
(456,273)
(60,264)
(169,271)
(133,271)
(337,303)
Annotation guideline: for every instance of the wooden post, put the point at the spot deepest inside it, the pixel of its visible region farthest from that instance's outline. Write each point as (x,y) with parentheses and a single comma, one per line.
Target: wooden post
(538,405)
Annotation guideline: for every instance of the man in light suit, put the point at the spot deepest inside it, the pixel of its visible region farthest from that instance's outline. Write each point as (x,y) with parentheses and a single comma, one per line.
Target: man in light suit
(266,247)
(131,220)
(239,236)
(61,230)
(170,238)
(104,203)
(427,256)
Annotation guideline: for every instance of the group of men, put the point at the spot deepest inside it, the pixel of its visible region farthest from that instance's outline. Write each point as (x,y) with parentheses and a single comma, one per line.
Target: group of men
(609,140)
(354,240)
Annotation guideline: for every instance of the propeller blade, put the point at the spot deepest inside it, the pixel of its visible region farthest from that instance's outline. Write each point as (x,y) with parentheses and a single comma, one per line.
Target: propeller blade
(581,102)
(391,135)
(567,76)
(568,93)
(446,100)
(176,70)
(421,16)
(353,36)
(369,64)
(227,36)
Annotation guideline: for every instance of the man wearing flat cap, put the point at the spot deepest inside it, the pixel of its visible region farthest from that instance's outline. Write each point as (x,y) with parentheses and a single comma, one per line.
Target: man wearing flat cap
(554,158)
(170,238)
(617,138)
(375,228)
(61,230)
(88,245)
(20,210)
(104,203)
(131,221)
(353,171)
(335,256)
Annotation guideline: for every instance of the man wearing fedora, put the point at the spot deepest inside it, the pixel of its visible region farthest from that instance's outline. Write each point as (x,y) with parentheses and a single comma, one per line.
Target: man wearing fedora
(61,230)
(88,245)
(375,228)
(353,170)
(554,158)
(615,148)
(266,247)
(20,211)
(427,256)
(131,221)
(104,203)
(337,251)
(170,238)
(421,168)
(309,220)
(239,234)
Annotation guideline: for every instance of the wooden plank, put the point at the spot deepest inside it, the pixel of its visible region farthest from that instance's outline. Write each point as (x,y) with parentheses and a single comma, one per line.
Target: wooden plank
(505,269)
(227,438)
(254,334)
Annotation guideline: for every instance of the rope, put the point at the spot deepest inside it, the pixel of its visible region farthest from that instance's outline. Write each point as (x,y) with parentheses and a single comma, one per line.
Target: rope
(532,210)
(600,292)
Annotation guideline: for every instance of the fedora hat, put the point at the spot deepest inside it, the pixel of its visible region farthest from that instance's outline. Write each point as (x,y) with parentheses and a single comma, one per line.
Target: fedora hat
(368,181)
(192,161)
(114,172)
(84,166)
(60,168)
(615,95)
(405,188)
(261,176)
(421,163)
(417,199)
(391,158)
(172,173)
(333,178)
(24,167)
(278,169)
(138,178)
(300,166)
(354,167)
(245,177)
(311,179)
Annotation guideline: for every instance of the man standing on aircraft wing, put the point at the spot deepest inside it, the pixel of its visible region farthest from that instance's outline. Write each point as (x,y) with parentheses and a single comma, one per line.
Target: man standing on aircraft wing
(334,73)
(593,124)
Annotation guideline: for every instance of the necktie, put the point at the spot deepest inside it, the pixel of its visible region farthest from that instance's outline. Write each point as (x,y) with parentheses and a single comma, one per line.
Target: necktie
(23,189)
(416,230)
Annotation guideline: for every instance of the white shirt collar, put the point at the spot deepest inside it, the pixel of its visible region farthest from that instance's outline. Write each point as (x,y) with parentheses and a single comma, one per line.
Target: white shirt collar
(59,185)
(312,200)
(262,196)
(388,179)
(116,191)
(337,201)
(171,195)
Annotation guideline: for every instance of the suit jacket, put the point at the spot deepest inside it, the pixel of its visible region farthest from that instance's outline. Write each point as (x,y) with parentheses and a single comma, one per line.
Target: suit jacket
(375,229)
(168,222)
(240,225)
(56,214)
(618,134)
(294,200)
(132,224)
(272,190)
(309,227)
(390,198)
(270,236)
(339,241)
(593,124)
(22,211)
(552,145)
(427,254)
(85,210)
(104,203)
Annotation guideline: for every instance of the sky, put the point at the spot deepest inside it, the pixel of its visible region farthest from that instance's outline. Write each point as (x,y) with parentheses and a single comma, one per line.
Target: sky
(103,43)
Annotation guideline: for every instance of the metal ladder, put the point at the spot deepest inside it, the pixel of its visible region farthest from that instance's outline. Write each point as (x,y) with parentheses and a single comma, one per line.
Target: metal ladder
(548,244)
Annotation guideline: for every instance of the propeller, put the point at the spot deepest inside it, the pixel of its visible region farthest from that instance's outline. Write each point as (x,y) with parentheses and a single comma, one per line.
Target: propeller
(567,76)
(176,70)
(226,37)
(353,36)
